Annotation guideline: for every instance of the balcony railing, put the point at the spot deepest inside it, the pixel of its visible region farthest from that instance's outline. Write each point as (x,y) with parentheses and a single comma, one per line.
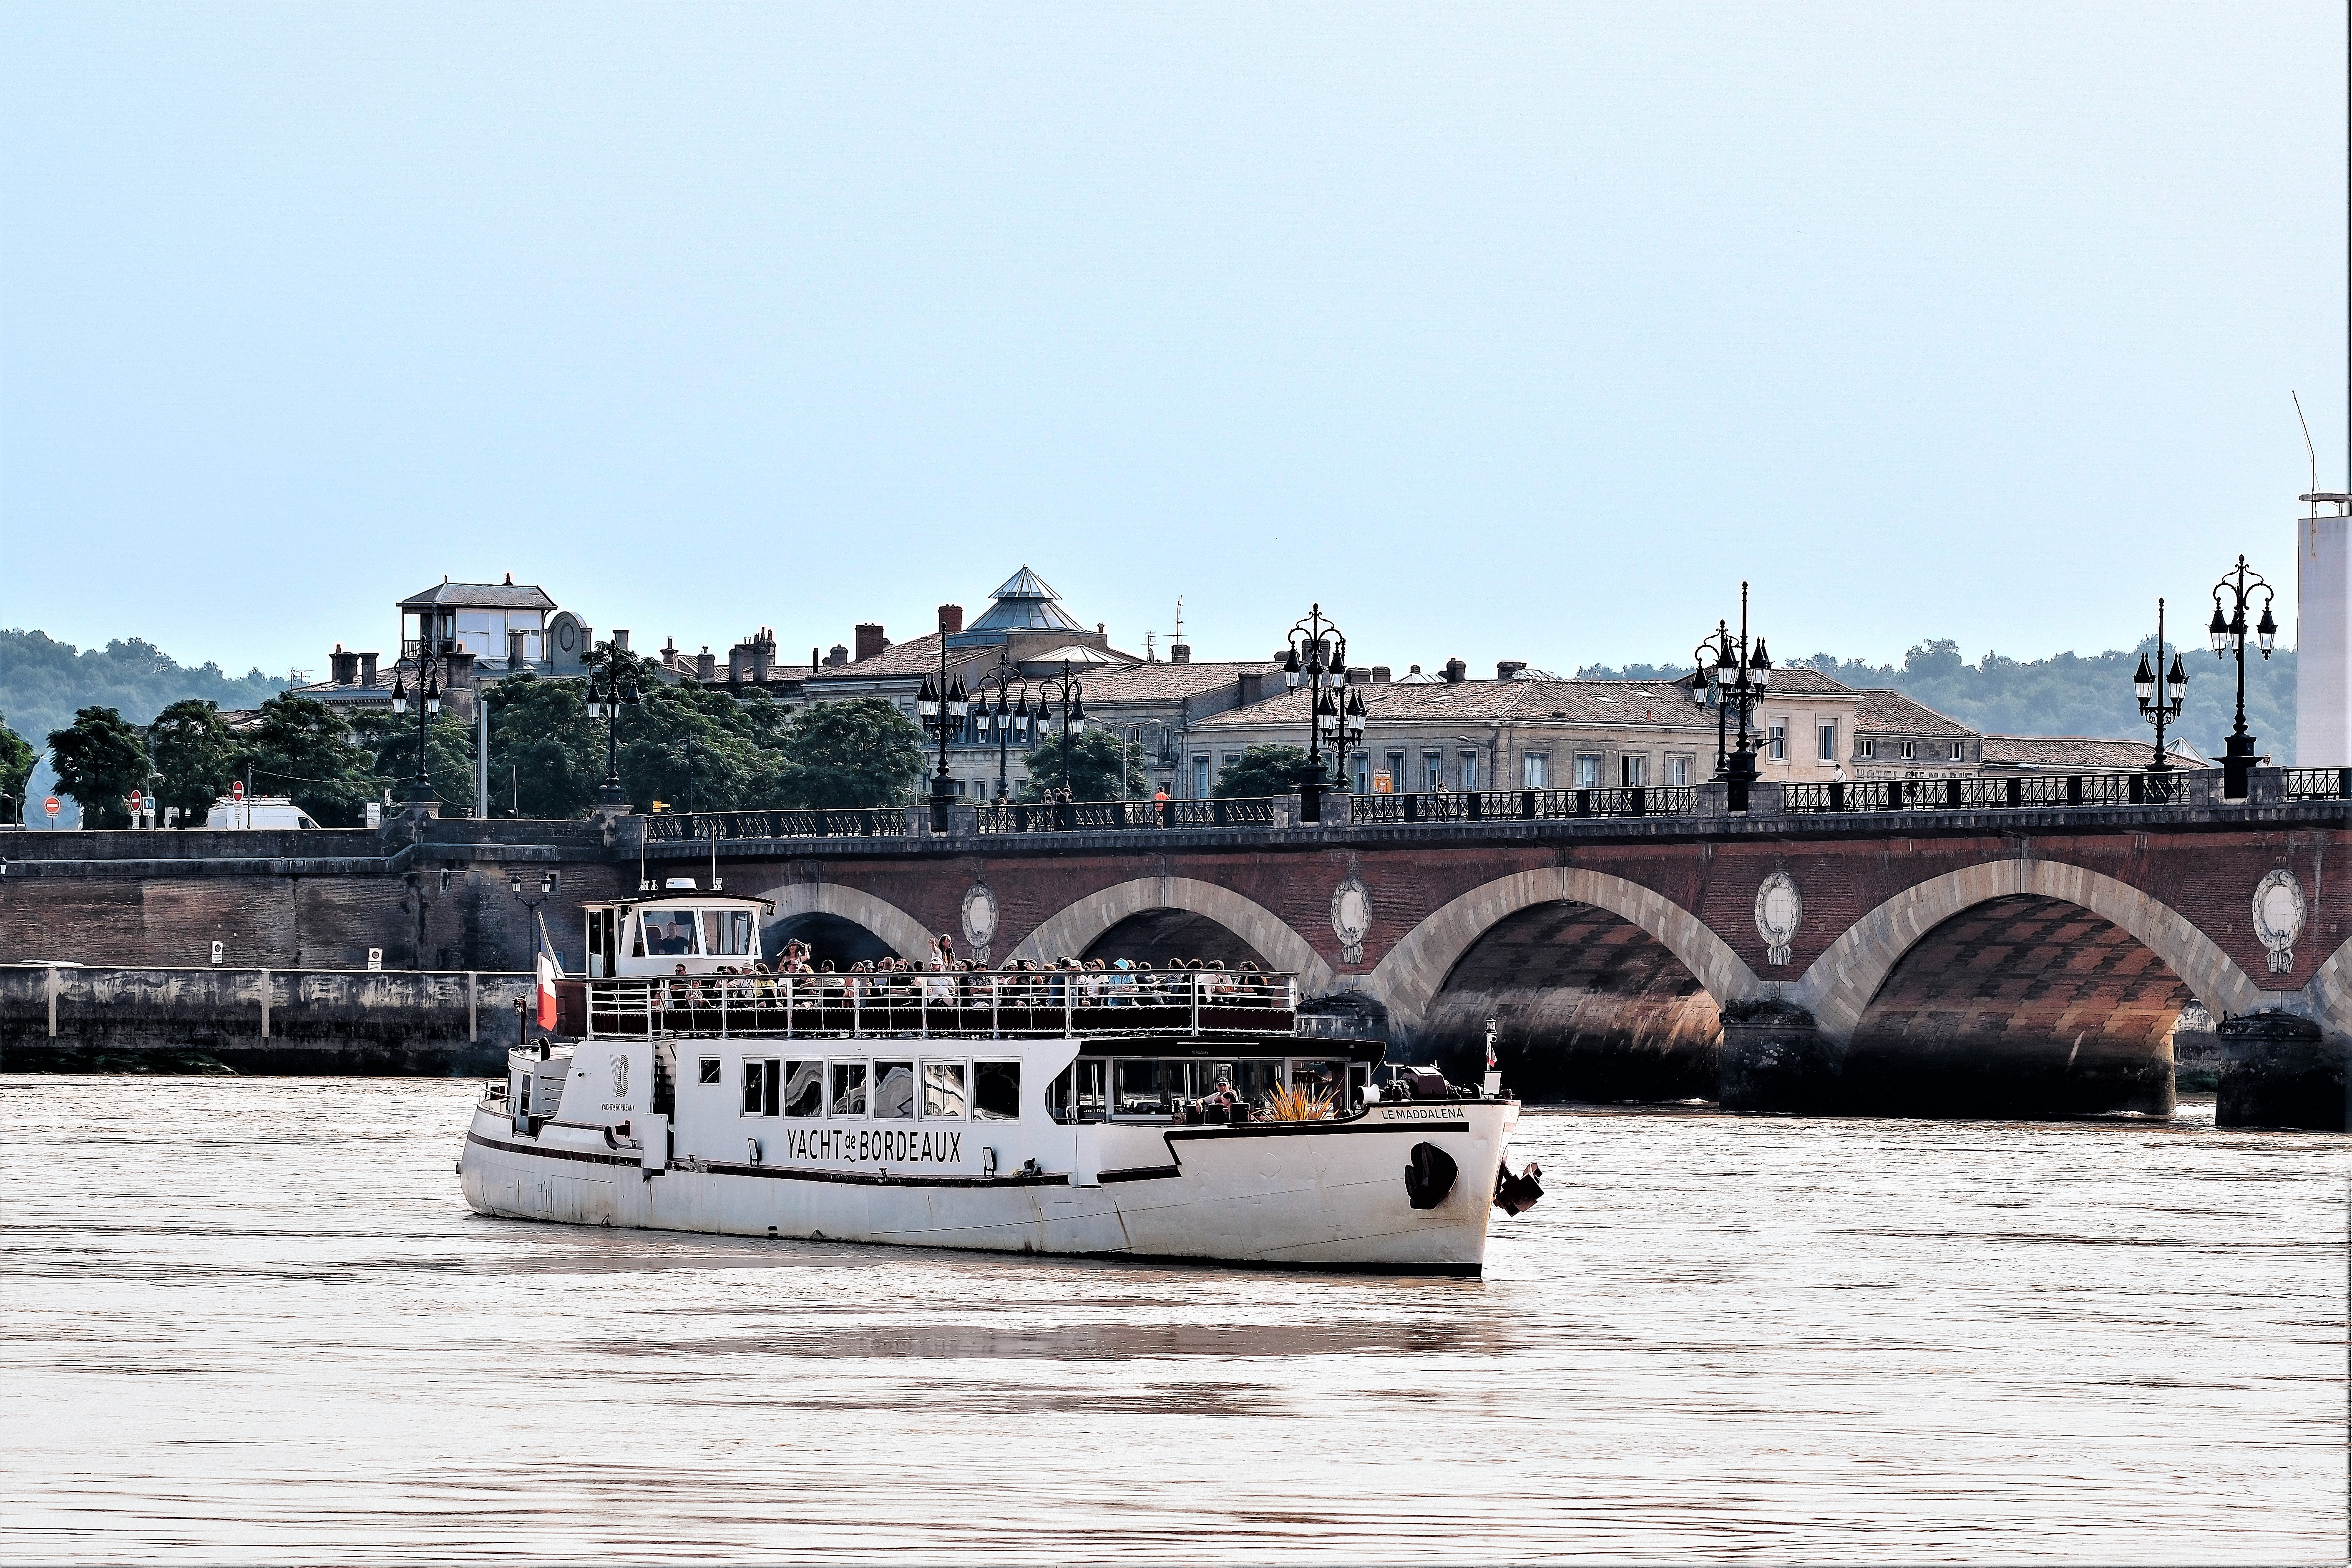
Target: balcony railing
(976,1003)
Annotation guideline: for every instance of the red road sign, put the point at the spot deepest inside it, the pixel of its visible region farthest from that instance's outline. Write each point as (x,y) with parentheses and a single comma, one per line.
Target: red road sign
(51,806)
(135,801)
(236,789)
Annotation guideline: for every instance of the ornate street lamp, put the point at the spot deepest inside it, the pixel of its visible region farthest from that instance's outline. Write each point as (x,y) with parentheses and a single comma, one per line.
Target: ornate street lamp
(2160,706)
(1067,692)
(2228,634)
(1733,676)
(429,671)
(614,680)
(1318,660)
(1010,725)
(942,707)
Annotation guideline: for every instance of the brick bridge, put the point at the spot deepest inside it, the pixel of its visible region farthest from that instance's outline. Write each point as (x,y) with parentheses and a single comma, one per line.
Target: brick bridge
(2002,957)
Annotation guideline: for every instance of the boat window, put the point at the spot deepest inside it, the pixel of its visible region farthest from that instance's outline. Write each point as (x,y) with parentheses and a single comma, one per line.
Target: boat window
(760,1083)
(849,1089)
(943,1088)
(997,1091)
(726,933)
(804,1088)
(1251,1081)
(668,933)
(1153,1088)
(1317,1079)
(893,1090)
(709,1070)
(1078,1094)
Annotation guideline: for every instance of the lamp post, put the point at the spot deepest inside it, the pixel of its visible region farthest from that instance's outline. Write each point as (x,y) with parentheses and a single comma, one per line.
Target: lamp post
(2160,707)
(2228,634)
(1003,721)
(1318,659)
(1068,693)
(613,682)
(942,707)
(1733,676)
(427,698)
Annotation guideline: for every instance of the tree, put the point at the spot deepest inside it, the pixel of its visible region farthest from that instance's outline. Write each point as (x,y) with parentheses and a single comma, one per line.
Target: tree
(17,760)
(43,680)
(858,754)
(1095,768)
(100,761)
(304,748)
(1267,770)
(195,754)
(547,756)
(700,751)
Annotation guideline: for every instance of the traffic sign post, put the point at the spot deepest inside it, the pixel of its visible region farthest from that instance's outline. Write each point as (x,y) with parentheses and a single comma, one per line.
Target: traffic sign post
(50,808)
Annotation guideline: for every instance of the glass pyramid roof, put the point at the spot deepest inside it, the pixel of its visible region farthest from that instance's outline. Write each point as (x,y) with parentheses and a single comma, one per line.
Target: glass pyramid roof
(1026,604)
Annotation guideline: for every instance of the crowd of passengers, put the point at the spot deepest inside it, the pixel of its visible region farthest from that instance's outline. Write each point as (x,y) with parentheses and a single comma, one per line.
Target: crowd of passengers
(944,980)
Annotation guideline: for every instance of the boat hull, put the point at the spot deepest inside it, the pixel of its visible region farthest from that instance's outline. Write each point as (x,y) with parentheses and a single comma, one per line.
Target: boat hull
(1329,1194)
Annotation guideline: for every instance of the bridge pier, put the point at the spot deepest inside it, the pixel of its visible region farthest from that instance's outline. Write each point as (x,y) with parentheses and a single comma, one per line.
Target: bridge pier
(1776,1060)
(2279,1070)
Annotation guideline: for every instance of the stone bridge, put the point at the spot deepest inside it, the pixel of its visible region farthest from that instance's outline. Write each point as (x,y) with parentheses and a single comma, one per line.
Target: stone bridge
(2032,960)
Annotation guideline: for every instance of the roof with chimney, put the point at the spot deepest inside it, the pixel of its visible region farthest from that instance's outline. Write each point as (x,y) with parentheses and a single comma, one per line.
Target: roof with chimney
(507,595)
(1026,604)
(1148,682)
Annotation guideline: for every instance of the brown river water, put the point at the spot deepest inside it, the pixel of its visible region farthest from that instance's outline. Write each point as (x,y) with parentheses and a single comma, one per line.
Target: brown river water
(251,1320)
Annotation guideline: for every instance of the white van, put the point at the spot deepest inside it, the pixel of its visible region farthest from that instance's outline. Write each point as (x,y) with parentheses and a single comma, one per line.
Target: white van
(258,811)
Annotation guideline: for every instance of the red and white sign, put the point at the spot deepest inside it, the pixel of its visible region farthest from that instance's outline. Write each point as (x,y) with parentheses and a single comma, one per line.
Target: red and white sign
(136,800)
(236,789)
(50,805)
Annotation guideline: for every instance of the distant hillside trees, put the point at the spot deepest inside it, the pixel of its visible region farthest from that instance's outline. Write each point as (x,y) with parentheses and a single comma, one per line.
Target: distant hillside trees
(44,682)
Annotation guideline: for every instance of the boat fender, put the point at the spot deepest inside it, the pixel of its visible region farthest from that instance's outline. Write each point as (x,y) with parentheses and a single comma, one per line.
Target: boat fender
(1518,1195)
(1429,1174)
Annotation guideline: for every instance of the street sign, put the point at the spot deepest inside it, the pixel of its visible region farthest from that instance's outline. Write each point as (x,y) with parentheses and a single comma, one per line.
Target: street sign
(236,789)
(216,953)
(375,960)
(51,808)
(136,800)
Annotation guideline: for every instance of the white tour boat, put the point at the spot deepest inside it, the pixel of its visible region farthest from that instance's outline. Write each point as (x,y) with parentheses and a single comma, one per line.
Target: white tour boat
(1126,1115)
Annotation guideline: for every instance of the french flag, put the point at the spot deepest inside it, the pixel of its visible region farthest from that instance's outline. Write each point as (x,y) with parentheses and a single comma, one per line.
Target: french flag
(550,971)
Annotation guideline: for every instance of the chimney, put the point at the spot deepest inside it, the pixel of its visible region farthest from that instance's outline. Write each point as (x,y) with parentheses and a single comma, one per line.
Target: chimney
(706,666)
(1380,674)
(837,657)
(951,618)
(1505,669)
(870,640)
(461,667)
(621,638)
(739,664)
(367,670)
(1457,671)
(346,666)
(763,655)
(515,659)
(1180,653)
(1252,687)
(1357,675)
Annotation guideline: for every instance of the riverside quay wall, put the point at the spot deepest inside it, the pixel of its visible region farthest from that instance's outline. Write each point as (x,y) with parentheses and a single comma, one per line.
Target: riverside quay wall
(1942,953)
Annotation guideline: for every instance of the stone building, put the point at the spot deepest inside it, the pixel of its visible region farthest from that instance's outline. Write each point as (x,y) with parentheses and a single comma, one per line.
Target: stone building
(2077,754)
(480,631)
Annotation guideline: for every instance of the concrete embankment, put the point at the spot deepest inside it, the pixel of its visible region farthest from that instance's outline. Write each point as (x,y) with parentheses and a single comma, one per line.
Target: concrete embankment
(329,1023)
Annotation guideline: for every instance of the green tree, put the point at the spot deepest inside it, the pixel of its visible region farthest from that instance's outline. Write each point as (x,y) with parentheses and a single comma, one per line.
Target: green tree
(1095,769)
(304,748)
(389,740)
(42,682)
(195,754)
(100,761)
(17,760)
(1267,770)
(547,756)
(859,753)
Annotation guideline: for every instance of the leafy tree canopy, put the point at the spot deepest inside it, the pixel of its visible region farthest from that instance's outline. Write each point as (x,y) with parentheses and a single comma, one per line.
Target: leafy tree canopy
(389,741)
(44,682)
(1102,767)
(302,749)
(16,759)
(99,760)
(860,753)
(547,756)
(700,751)
(1267,770)
(195,754)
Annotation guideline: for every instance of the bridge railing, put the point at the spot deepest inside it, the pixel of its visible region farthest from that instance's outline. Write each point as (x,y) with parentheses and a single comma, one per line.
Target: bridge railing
(2319,783)
(1524,805)
(985,1004)
(889,822)
(2018,791)
(1114,815)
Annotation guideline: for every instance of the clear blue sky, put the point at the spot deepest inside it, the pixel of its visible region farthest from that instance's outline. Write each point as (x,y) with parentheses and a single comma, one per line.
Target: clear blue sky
(1505,330)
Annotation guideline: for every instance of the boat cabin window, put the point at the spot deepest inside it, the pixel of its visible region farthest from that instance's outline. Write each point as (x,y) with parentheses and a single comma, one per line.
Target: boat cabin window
(1077,1095)
(997,1091)
(762,1086)
(727,934)
(1167,1087)
(666,933)
(603,925)
(849,1089)
(709,1070)
(893,1091)
(804,1088)
(1149,1088)
(943,1090)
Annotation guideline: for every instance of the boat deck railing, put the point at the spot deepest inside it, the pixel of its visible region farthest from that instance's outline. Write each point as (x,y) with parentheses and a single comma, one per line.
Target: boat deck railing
(979,1005)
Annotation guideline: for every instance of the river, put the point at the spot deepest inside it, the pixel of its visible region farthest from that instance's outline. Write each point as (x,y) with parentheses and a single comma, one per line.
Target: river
(250,1320)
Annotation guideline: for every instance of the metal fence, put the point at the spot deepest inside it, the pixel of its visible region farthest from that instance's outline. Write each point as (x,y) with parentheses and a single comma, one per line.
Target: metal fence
(889,822)
(978,1004)
(2319,783)
(2015,792)
(1524,804)
(1114,816)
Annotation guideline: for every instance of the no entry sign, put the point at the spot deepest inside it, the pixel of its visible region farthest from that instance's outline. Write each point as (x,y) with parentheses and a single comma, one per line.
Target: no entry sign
(50,807)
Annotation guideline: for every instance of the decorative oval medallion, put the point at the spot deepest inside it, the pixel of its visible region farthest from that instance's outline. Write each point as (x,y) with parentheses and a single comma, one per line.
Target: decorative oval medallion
(2279,913)
(979,920)
(1351,917)
(1778,909)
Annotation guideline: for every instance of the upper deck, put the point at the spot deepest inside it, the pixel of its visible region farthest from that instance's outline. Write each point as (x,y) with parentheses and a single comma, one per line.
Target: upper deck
(983,1004)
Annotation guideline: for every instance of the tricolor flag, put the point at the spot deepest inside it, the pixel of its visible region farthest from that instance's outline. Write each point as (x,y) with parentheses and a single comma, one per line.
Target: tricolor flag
(549,971)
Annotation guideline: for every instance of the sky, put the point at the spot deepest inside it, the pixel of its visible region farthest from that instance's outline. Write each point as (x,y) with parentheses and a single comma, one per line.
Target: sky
(1502,331)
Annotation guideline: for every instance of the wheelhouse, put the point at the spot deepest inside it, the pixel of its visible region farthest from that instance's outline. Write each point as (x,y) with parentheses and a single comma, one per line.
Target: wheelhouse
(677,931)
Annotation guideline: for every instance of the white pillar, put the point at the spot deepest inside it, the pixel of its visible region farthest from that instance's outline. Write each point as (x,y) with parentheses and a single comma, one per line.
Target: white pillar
(2323,641)
(481,753)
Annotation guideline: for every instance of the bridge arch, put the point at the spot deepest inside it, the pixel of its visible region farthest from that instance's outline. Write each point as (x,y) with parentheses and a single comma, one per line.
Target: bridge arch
(894,926)
(1407,980)
(1842,983)
(1083,923)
